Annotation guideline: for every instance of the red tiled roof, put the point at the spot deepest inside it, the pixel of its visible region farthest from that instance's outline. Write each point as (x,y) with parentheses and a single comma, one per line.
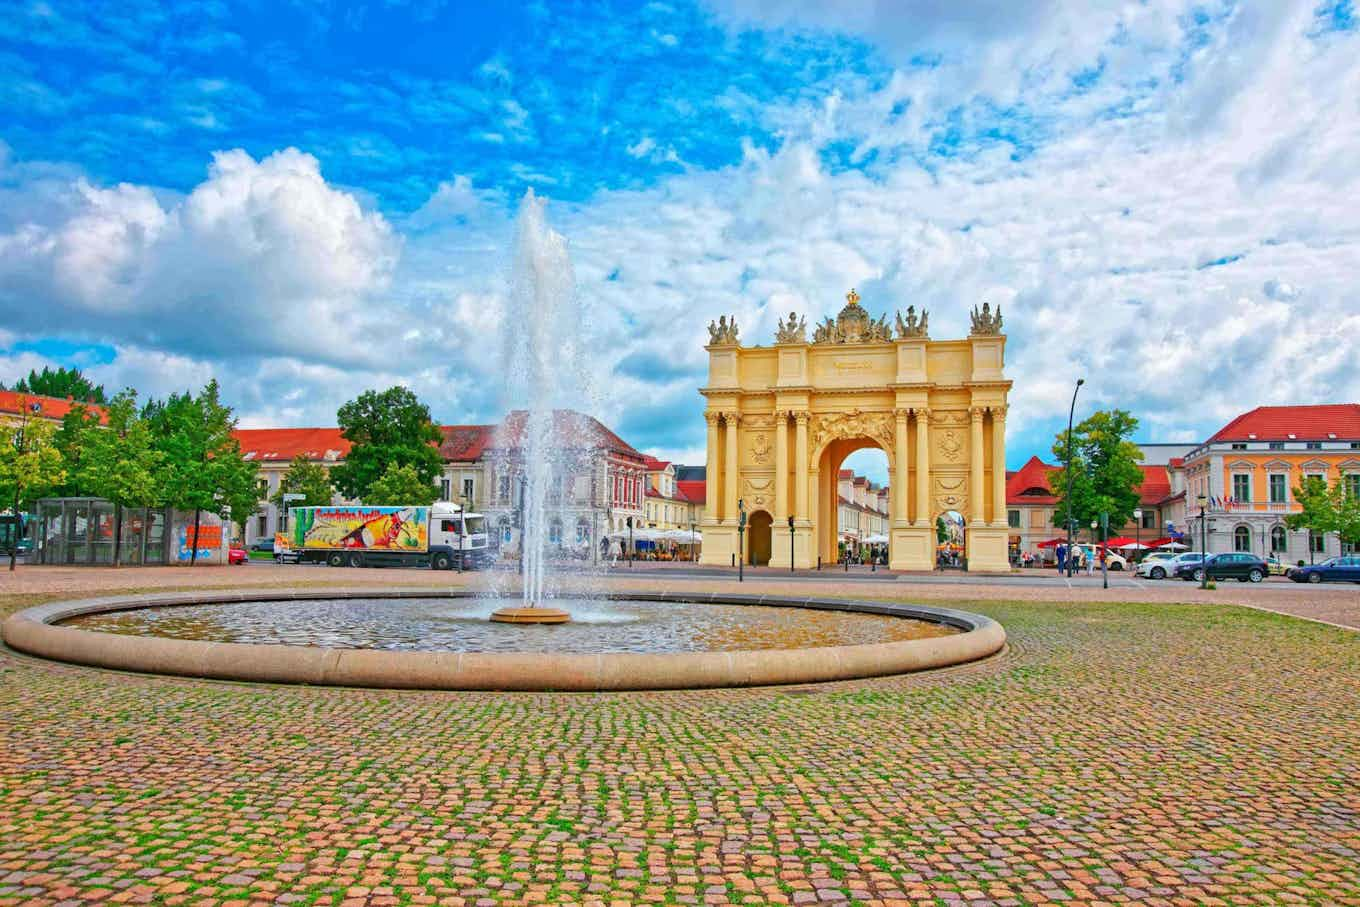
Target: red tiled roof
(18,402)
(1176,462)
(1311,423)
(572,428)
(653,464)
(1029,484)
(693,490)
(283,444)
(464,443)
(847,474)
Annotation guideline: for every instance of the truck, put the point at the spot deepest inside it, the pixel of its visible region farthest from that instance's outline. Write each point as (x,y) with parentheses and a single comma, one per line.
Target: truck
(440,536)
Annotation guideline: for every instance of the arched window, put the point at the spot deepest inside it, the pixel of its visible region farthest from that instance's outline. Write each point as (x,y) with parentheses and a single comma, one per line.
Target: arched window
(1278,540)
(1241,539)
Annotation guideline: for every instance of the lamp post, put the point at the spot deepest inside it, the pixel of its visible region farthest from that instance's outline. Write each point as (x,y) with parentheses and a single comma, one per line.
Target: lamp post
(631,549)
(741,538)
(1203,541)
(693,542)
(1067,504)
(790,543)
(1137,531)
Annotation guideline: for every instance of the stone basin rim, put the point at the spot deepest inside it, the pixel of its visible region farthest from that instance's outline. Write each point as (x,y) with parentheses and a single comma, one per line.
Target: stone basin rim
(37,631)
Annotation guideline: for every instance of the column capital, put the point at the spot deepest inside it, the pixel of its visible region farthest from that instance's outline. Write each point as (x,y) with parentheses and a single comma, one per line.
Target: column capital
(711,416)
(731,417)
(976,413)
(999,413)
(802,416)
(901,413)
(922,412)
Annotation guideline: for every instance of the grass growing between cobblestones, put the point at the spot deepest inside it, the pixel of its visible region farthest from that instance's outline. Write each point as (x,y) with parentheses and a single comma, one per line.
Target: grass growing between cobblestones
(1114,753)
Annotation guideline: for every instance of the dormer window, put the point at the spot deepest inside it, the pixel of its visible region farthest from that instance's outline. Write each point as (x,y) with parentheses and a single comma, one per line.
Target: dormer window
(1277,445)
(1313,445)
(1239,445)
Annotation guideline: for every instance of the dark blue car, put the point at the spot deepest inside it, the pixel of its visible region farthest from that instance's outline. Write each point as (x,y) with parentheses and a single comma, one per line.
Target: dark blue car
(1335,570)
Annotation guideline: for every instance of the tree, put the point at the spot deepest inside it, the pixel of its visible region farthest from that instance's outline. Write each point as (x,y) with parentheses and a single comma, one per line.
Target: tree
(1105,473)
(79,427)
(311,480)
(30,467)
(202,464)
(386,428)
(401,485)
(63,382)
(1325,510)
(120,462)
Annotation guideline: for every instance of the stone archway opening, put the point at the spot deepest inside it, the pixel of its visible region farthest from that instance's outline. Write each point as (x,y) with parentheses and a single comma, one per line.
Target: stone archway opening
(844,516)
(951,540)
(759,538)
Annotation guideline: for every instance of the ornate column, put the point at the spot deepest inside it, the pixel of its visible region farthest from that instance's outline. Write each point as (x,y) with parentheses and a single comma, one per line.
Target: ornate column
(976,496)
(999,465)
(800,451)
(923,467)
(711,475)
(781,469)
(730,468)
(898,493)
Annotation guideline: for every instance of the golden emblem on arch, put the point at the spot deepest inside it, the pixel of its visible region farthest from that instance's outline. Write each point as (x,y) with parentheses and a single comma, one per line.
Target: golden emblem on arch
(760,449)
(950,445)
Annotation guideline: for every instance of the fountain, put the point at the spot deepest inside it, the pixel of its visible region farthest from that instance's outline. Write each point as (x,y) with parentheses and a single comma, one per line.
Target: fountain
(544,371)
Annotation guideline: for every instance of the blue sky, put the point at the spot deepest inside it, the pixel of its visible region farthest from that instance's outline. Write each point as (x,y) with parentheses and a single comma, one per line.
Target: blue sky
(308,199)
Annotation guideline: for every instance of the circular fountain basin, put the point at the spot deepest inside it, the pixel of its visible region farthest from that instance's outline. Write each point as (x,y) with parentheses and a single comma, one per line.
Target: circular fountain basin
(437,639)
(536,614)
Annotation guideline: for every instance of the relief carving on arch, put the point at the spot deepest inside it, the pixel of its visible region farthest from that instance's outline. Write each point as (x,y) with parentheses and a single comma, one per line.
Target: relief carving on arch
(758,493)
(878,427)
(951,493)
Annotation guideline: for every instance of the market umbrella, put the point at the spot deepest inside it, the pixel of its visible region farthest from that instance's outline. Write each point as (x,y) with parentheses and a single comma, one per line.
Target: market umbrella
(1132,546)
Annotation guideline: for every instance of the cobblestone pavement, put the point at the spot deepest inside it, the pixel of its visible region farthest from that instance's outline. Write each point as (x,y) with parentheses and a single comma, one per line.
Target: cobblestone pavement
(1115,752)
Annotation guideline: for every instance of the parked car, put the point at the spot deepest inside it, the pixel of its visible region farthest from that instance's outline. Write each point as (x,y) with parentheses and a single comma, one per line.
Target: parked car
(1113,560)
(1236,565)
(1333,570)
(237,555)
(264,545)
(1277,566)
(1156,564)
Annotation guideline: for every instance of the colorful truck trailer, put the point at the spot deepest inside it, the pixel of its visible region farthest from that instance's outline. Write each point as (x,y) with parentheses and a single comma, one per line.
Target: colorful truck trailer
(439,536)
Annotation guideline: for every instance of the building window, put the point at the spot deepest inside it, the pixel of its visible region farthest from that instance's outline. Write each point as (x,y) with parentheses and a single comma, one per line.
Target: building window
(1013,519)
(505,530)
(582,531)
(262,488)
(1313,445)
(444,489)
(1353,484)
(1355,445)
(503,488)
(467,490)
(1241,486)
(555,533)
(1278,540)
(1241,539)
(262,526)
(1239,445)
(1279,489)
(1316,542)
(1277,445)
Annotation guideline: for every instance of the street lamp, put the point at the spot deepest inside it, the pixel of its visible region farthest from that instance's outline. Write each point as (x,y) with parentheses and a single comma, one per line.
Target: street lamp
(741,537)
(631,549)
(1203,502)
(693,542)
(1137,531)
(790,543)
(1067,504)
(34,408)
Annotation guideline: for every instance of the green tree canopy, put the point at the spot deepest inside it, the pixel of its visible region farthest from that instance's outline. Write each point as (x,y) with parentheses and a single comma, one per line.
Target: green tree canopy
(202,468)
(309,479)
(74,439)
(401,485)
(120,462)
(1105,473)
(1327,509)
(30,467)
(385,428)
(61,382)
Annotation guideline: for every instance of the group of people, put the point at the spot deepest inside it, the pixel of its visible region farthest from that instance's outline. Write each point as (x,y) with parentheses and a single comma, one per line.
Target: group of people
(1079,558)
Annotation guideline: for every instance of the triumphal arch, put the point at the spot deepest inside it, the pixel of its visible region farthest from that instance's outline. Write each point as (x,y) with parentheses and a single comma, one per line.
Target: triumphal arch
(782,419)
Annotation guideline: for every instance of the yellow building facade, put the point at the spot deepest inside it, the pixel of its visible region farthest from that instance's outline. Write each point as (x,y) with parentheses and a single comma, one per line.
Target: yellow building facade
(781,420)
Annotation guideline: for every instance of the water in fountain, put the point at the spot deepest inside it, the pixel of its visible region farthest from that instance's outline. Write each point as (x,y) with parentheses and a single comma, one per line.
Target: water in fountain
(546,372)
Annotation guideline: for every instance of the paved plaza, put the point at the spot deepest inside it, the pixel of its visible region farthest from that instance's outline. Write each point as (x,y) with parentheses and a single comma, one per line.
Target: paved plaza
(1158,745)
